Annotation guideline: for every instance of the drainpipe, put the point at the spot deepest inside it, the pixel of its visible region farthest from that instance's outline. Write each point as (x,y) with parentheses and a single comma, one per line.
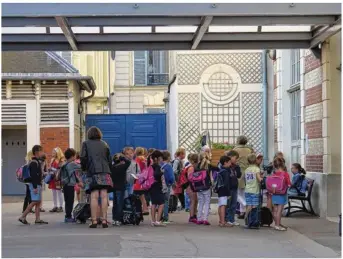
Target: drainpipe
(265,107)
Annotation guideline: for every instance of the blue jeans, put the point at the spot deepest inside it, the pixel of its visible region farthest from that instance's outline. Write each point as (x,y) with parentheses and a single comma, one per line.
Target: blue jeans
(118,203)
(231,207)
(187,201)
(128,190)
(166,204)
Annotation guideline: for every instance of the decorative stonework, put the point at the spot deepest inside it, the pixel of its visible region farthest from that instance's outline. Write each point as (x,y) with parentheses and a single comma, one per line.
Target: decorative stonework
(221,120)
(189,120)
(191,66)
(252,120)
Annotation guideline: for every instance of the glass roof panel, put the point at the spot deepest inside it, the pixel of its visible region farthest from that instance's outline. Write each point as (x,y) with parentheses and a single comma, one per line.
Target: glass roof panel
(232,29)
(23,30)
(286,28)
(77,30)
(138,29)
(176,29)
(56,30)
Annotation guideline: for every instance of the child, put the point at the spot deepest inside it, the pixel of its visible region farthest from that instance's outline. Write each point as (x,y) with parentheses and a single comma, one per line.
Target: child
(194,160)
(156,194)
(133,169)
(27,199)
(170,180)
(177,169)
(137,188)
(299,183)
(235,173)
(253,179)
(77,187)
(118,173)
(35,187)
(204,196)
(224,189)
(68,189)
(279,200)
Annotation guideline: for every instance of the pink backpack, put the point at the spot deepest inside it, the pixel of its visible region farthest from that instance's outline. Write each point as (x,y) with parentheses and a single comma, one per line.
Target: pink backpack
(197,181)
(276,184)
(146,178)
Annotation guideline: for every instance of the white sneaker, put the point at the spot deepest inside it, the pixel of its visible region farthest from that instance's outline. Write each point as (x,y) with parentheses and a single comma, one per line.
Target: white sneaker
(153,223)
(159,224)
(113,222)
(233,223)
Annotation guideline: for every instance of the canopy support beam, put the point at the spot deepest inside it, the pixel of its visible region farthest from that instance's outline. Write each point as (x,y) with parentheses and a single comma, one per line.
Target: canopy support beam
(68,33)
(202,29)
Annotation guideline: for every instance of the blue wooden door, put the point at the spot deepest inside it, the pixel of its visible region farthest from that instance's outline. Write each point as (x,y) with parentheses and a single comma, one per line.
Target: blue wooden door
(136,130)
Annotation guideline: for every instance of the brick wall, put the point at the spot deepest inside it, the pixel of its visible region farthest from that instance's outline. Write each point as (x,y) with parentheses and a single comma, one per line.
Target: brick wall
(313,112)
(51,138)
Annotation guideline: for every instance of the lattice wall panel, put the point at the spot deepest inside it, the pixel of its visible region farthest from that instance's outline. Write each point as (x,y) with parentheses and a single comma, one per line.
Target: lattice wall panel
(222,121)
(189,120)
(252,120)
(192,66)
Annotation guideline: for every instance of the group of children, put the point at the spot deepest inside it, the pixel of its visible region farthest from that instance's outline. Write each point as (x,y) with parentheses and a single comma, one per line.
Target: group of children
(197,178)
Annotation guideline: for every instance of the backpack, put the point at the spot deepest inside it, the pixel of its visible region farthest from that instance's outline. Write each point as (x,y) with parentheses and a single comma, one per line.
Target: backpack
(198,180)
(146,178)
(183,179)
(23,173)
(253,218)
(218,183)
(64,176)
(276,184)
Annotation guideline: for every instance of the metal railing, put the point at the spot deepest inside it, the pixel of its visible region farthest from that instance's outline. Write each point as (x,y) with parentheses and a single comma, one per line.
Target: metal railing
(158,79)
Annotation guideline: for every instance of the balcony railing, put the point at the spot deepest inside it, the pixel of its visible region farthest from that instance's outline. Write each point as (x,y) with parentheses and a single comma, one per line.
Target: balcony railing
(158,79)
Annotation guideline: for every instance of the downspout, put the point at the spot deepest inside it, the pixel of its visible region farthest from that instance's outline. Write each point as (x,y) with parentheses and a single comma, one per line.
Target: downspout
(80,110)
(265,107)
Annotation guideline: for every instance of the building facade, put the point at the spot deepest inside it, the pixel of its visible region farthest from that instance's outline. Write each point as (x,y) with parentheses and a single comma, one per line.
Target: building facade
(41,104)
(307,118)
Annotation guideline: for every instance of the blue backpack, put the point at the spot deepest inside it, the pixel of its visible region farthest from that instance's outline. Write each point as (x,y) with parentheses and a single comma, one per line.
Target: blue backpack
(23,173)
(253,218)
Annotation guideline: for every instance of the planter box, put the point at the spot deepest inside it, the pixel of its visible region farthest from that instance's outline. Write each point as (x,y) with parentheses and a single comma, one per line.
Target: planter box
(216,155)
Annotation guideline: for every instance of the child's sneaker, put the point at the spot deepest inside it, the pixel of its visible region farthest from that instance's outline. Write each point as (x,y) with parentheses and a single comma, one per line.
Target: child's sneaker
(69,220)
(205,222)
(200,222)
(233,223)
(153,223)
(193,220)
(159,224)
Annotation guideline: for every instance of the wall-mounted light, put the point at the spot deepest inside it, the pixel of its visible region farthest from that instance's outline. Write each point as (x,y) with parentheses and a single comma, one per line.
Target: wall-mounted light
(32,82)
(44,82)
(21,82)
(70,94)
(55,82)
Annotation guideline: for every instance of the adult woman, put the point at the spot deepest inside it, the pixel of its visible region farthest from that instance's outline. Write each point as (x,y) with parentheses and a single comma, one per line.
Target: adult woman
(96,161)
(56,162)
(244,151)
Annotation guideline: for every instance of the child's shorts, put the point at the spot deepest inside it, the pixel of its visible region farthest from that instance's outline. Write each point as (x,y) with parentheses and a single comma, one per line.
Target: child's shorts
(252,199)
(222,201)
(36,196)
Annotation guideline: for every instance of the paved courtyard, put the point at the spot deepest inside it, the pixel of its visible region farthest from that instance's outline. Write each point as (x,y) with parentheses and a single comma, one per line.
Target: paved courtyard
(178,239)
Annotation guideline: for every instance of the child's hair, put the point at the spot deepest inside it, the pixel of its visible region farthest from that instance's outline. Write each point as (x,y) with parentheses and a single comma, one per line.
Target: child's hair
(43,157)
(180,151)
(116,158)
(299,168)
(155,155)
(204,160)
(189,155)
(277,154)
(29,156)
(224,159)
(69,153)
(252,159)
(233,153)
(35,149)
(77,155)
(279,163)
(193,158)
(139,151)
(150,151)
(128,149)
(146,153)
(166,155)
(59,154)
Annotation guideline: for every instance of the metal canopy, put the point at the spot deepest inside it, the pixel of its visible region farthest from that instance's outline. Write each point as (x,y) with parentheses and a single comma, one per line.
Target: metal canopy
(113,26)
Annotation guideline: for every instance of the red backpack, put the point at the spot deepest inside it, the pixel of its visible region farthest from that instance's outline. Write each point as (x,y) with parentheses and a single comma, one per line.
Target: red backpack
(183,180)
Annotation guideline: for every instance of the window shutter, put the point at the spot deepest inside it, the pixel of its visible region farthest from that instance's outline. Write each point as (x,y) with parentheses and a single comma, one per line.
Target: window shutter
(54,113)
(13,114)
(140,68)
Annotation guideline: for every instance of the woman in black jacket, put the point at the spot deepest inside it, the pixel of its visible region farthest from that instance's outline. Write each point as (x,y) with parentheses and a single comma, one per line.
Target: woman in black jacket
(96,161)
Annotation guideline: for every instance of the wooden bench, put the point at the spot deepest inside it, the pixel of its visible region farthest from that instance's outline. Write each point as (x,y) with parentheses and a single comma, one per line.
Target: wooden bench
(303,199)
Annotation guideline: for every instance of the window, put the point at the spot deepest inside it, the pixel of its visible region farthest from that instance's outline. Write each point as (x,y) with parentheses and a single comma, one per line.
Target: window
(151,67)
(155,110)
(295,126)
(295,71)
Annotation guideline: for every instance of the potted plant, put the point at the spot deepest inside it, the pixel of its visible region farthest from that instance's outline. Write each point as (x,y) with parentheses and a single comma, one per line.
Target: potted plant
(218,150)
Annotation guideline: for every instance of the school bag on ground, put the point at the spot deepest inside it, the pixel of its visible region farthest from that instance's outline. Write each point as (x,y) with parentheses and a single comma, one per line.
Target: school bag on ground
(198,180)
(132,211)
(172,206)
(146,178)
(276,184)
(23,173)
(82,211)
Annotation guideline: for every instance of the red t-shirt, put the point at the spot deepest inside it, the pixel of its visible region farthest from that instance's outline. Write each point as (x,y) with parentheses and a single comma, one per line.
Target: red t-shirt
(141,162)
